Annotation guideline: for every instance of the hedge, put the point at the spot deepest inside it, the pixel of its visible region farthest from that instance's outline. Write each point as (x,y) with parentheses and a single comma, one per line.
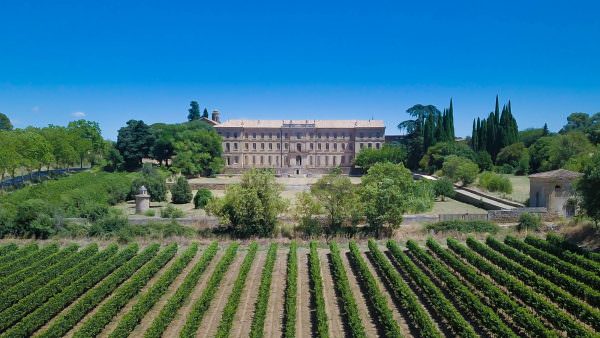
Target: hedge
(342,285)
(496,298)
(290,295)
(201,305)
(6,249)
(374,295)
(264,291)
(570,284)
(416,313)
(576,307)
(86,303)
(147,300)
(466,299)
(37,267)
(24,263)
(32,298)
(59,301)
(169,311)
(15,254)
(95,324)
(464,226)
(316,290)
(236,293)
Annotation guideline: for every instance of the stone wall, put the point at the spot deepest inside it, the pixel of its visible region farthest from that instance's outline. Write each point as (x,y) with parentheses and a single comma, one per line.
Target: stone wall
(512,216)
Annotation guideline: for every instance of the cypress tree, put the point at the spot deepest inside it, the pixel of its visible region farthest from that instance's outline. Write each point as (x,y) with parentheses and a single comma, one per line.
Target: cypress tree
(545,132)
(474,137)
(450,129)
(439,134)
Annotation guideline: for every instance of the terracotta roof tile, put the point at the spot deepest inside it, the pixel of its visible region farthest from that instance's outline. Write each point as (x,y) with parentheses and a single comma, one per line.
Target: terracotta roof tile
(558,174)
(316,123)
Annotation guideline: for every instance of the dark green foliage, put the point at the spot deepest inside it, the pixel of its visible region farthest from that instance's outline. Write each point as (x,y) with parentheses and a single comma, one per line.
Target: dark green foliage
(434,295)
(460,169)
(531,135)
(202,197)
(153,180)
(496,297)
(564,255)
(417,316)
(264,291)
(194,111)
(169,310)
(466,300)
(134,142)
(5,123)
(464,226)
(171,212)
(205,113)
(316,290)
(201,305)
(367,157)
(443,188)
(564,244)
(516,156)
(495,132)
(374,295)
(515,278)
(494,182)
(291,287)
(342,286)
(436,155)
(484,160)
(131,319)
(181,193)
(589,189)
(529,222)
(582,122)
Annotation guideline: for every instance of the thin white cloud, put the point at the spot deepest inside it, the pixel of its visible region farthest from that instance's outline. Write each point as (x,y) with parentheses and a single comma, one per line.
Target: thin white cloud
(35,109)
(78,114)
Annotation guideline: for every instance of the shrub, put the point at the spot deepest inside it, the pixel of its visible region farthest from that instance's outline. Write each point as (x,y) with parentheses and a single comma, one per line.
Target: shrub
(460,169)
(171,212)
(154,181)
(494,182)
(464,226)
(201,198)
(444,188)
(528,222)
(181,192)
(150,213)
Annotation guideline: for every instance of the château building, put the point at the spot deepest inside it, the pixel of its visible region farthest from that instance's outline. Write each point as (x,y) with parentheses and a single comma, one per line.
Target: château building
(296,146)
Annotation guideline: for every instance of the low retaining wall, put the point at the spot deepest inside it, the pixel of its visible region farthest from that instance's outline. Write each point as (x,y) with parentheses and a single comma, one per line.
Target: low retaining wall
(512,216)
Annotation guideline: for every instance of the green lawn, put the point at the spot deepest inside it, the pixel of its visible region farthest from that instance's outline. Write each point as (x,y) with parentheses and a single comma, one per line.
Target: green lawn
(520,185)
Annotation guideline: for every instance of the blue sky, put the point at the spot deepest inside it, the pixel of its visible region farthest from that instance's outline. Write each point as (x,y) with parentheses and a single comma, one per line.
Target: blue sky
(112,61)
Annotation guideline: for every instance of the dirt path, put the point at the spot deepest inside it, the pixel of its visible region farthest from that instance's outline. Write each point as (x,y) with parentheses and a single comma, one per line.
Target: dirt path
(303,309)
(397,316)
(365,316)
(245,313)
(210,322)
(115,321)
(274,317)
(334,317)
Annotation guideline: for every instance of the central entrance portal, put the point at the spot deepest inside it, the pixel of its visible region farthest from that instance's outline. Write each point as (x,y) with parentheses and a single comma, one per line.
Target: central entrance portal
(298,160)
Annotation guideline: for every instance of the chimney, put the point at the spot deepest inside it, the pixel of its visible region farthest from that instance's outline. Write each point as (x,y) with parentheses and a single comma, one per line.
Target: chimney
(216,116)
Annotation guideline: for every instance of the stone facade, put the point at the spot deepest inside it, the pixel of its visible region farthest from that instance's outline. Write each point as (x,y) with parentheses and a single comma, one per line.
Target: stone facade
(297,147)
(553,190)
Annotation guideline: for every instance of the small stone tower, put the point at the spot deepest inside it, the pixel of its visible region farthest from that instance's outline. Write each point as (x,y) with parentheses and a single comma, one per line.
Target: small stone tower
(142,201)
(216,116)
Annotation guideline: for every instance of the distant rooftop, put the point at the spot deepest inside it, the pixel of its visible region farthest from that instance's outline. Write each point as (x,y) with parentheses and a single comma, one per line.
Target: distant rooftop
(302,124)
(562,174)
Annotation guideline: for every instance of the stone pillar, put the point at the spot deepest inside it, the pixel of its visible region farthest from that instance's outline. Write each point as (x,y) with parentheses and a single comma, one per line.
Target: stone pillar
(142,201)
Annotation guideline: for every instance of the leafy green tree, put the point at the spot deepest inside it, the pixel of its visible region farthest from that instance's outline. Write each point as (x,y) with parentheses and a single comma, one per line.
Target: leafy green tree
(112,157)
(198,152)
(35,149)
(576,122)
(87,139)
(530,135)
(163,150)
(589,189)
(10,157)
(539,153)
(367,157)
(305,209)
(154,181)
(202,197)
(336,194)
(181,193)
(5,123)
(516,156)
(460,169)
(564,147)
(194,111)
(134,142)
(484,160)
(443,188)
(434,158)
(62,146)
(252,206)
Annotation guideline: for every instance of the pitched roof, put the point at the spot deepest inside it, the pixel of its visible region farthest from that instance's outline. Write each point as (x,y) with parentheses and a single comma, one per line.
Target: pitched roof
(301,123)
(562,174)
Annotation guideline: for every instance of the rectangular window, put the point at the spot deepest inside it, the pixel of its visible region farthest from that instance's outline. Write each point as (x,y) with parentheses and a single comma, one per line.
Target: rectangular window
(270,146)
(362,145)
(262,146)
(287,146)
(326,146)
(343,146)
(319,146)
(270,160)
(227,147)
(377,145)
(235,146)
(278,146)
(335,146)
(246,146)
(254,146)
(370,145)
(312,146)
(334,160)
(253,135)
